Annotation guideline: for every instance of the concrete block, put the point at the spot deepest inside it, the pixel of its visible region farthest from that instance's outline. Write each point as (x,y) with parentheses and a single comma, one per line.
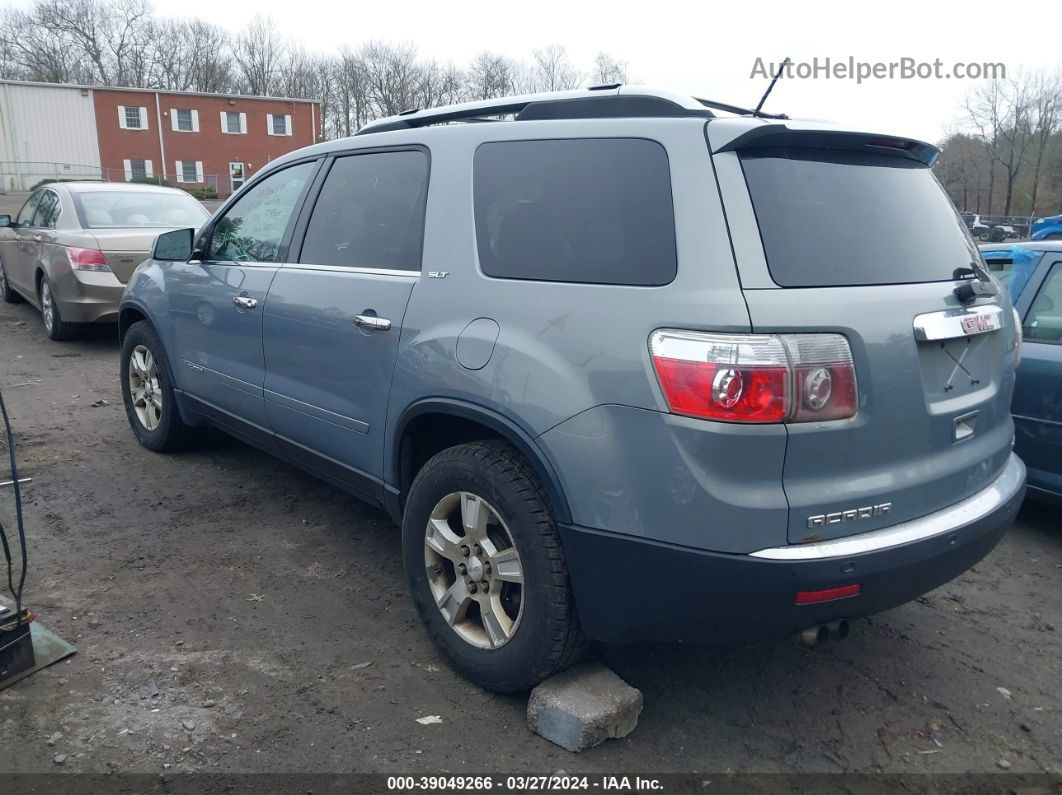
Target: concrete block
(583,706)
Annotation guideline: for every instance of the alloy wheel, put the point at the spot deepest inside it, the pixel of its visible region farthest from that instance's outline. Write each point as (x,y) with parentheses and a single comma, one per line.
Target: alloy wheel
(144,388)
(474,570)
(47,306)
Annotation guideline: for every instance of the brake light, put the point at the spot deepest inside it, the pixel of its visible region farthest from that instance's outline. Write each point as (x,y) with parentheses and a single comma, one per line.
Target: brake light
(755,377)
(86,259)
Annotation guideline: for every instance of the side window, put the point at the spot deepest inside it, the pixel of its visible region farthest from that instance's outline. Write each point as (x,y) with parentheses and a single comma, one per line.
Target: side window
(1044,321)
(253,228)
(47,210)
(370,212)
(580,210)
(25,215)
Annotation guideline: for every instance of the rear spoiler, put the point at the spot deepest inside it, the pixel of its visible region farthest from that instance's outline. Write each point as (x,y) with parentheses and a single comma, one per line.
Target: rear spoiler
(782,135)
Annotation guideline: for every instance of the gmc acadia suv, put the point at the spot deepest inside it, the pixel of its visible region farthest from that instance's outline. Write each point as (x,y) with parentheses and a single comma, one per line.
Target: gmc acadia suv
(624,365)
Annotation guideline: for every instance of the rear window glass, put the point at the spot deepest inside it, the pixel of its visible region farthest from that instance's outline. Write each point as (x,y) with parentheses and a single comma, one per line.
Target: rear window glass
(831,218)
(583,210)
(106,209)
(370,213)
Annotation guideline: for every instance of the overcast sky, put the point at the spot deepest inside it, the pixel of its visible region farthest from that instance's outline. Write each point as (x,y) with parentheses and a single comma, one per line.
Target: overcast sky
(704,48)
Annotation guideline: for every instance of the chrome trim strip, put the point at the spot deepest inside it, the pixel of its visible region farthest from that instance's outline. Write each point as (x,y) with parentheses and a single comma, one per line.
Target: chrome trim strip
(307,266)
(970,510)
(950,323)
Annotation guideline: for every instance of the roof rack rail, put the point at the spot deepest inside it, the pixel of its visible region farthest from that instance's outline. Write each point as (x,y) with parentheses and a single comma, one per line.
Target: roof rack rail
(607,101)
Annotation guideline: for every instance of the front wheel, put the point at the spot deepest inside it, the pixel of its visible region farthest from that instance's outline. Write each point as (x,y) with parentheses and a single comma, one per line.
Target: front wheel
(486,568)
(147,391)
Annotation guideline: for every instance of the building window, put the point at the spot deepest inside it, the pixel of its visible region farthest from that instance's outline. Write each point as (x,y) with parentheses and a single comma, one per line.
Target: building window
(235,123)
(137,170)
(132,118)
(279,124)
(190,171)
(184,120)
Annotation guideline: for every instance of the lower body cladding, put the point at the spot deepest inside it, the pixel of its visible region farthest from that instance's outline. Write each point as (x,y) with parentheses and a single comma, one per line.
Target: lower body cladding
(630,590)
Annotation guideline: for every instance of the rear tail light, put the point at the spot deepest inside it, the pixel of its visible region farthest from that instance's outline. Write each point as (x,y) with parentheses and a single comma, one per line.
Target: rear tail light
(755,377)
(86,259)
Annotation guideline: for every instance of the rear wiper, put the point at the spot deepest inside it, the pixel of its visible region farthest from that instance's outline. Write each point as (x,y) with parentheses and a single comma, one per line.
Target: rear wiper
(981,285)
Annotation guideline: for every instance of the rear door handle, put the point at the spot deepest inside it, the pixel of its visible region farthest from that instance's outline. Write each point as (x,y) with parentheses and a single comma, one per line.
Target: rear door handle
(243,302)
(372,322)
(38,238)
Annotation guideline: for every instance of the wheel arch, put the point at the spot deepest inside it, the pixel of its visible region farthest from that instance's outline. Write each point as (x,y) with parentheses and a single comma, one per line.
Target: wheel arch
(128,314)
(443,422)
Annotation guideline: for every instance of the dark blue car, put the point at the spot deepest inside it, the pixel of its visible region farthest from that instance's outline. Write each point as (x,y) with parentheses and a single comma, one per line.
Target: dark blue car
(1033,274)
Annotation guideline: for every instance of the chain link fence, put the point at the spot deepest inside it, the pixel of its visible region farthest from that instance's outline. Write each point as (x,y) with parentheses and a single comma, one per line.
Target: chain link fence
(19,176)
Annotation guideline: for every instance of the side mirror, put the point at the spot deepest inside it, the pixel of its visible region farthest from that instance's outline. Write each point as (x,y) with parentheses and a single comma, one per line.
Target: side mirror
(6,222)
(175,246)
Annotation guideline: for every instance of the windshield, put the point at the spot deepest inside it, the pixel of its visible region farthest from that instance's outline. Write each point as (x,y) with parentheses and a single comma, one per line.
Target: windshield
(832,218)
(119,209)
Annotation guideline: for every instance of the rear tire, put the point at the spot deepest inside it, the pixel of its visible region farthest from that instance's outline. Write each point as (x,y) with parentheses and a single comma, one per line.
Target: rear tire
(147,391)
(511,636)
(54,325)
(6,291)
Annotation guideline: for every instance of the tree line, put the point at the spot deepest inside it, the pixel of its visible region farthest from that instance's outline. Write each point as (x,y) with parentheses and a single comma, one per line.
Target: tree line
(1004,155)
(123,43)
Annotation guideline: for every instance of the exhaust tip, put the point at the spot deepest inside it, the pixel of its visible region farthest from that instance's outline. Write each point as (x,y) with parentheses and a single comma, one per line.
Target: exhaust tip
(839,629)
(816,636)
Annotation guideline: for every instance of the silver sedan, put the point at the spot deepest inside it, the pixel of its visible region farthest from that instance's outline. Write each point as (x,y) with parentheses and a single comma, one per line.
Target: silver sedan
(73,246)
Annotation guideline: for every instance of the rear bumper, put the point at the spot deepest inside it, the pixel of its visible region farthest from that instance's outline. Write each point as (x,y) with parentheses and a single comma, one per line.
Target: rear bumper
(88,296)
(630,589)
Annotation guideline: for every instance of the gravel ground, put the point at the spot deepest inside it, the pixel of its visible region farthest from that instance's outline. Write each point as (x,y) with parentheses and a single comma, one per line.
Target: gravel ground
(271,613)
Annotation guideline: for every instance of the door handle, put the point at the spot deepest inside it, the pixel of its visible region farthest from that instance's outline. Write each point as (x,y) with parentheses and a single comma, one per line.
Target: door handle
(38,238)
(243,302)
(372,322)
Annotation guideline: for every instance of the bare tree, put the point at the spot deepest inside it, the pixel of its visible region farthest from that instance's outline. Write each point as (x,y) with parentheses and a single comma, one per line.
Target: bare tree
(1000,111)
(608,70)
(258,52)
(552,71)
(491,76)
(1047,115)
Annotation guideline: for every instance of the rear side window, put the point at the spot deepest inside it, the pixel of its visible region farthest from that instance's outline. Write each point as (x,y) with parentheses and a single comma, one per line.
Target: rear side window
(47,211)
(832,218)
(370,212)
(588,210)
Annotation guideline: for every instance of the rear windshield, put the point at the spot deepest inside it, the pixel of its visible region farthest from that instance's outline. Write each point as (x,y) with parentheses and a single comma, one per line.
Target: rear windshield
(831,218)
(115,209)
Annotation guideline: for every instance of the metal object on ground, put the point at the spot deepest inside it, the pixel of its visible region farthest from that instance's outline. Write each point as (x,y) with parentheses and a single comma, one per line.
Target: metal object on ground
(32,647)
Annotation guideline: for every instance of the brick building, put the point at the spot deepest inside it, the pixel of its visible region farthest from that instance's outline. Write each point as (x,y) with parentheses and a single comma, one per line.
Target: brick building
(188,139)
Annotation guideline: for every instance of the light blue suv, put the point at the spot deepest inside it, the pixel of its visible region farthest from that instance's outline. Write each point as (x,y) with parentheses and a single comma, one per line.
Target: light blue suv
(624,365)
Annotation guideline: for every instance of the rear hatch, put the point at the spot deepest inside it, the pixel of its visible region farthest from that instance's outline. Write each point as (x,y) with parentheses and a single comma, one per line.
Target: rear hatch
(124,249)
(866,244)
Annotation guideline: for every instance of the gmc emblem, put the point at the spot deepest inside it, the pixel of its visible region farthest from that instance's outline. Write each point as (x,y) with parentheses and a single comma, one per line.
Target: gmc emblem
(975,324)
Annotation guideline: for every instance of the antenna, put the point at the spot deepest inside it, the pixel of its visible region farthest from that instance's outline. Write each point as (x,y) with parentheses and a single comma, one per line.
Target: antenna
(770,88)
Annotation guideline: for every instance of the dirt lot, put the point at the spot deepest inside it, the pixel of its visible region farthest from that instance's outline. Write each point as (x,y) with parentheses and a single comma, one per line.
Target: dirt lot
(255,596)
